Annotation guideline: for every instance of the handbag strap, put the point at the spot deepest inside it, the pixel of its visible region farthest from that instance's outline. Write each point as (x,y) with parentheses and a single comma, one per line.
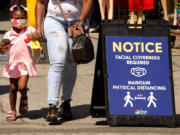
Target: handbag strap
(65,17)
(62,11)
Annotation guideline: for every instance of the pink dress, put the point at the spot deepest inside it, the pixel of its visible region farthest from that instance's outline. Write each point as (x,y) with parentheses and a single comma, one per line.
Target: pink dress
(20,61)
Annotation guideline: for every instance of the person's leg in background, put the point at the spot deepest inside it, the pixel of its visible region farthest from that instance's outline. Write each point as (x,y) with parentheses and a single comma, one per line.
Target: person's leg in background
(94,17)
(164,5)
(175,13)
(110,9)
(102,5)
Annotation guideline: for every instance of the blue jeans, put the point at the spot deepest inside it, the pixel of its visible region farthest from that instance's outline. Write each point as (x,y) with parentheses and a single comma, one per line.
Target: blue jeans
(62,70)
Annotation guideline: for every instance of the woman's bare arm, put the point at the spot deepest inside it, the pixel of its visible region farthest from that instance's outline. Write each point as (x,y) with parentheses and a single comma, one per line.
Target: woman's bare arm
(41,6)
(86,8)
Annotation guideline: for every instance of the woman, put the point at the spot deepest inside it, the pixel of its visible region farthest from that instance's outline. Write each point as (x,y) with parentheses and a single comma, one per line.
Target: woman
(62,70)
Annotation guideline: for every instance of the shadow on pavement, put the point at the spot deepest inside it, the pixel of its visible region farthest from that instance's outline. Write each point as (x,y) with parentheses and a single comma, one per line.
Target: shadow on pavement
(79,112)
(35,114)
(4,89)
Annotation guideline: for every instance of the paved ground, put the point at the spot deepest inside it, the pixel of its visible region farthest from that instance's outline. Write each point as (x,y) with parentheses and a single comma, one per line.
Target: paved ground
(34,122)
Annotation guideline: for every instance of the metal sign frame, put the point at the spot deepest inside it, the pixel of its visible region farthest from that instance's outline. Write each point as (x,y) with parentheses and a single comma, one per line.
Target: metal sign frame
(117,28)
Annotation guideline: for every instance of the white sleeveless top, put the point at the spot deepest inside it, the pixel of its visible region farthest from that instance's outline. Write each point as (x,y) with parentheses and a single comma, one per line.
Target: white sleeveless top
(72,9)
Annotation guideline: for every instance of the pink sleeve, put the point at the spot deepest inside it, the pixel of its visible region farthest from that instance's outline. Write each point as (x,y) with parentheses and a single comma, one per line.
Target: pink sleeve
(7,35)
(31,29)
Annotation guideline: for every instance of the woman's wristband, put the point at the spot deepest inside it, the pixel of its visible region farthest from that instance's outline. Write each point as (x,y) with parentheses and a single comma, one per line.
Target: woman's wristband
(81,22)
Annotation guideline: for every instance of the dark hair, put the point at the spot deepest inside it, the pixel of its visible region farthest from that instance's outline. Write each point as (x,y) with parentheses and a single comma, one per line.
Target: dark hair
(18,9)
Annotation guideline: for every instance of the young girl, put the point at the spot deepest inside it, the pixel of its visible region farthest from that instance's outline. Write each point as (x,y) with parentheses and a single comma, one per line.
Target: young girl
(20,64)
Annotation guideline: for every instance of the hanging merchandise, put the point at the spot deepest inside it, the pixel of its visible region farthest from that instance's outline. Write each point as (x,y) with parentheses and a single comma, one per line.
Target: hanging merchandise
(178,14)
(176,6)
(139,6)
(176,23)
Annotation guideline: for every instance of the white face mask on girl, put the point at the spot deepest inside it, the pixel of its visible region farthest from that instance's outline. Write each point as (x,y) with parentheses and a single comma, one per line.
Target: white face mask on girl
(19,23)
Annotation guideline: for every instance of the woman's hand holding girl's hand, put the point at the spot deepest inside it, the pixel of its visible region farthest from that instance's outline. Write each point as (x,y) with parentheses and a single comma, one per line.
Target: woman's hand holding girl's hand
(33,36)
(39,33)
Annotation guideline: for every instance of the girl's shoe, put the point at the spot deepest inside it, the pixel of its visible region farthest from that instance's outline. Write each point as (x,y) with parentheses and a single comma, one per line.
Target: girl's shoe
(23,107)
(11,116)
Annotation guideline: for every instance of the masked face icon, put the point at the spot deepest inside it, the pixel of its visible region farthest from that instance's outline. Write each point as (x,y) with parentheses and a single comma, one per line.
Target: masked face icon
(138,72)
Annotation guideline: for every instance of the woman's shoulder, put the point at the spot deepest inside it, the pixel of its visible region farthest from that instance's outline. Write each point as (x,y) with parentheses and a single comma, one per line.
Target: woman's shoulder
(8,34)
(9,31)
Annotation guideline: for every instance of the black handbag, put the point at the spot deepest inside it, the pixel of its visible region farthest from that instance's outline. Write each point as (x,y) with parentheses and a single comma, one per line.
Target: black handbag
(82,49)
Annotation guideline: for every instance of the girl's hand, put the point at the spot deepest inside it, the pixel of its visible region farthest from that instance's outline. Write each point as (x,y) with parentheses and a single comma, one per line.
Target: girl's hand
(3,48)
(1,45)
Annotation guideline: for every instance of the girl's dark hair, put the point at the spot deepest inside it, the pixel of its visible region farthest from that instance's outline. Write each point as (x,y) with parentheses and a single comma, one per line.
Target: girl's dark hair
(18,9)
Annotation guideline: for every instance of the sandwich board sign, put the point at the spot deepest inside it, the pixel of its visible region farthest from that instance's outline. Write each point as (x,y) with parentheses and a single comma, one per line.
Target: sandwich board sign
(138,79)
